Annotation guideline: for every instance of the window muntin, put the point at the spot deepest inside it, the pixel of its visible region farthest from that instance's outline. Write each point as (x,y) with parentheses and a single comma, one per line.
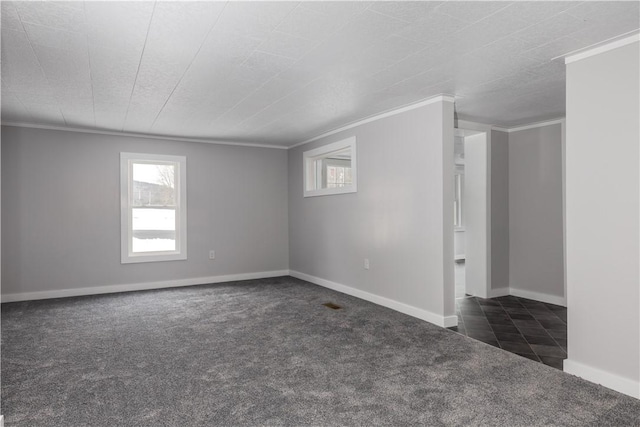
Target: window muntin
(337,173)
(153,211)
(330,169)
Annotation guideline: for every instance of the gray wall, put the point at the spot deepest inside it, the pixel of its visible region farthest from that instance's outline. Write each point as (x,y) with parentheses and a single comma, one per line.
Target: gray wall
(535,211)
(61,210)
(499,210)
(400,218)
(602,212)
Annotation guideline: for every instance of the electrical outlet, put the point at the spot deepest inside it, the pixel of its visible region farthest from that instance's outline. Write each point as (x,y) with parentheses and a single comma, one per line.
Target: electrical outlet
(366,263)
(212,254)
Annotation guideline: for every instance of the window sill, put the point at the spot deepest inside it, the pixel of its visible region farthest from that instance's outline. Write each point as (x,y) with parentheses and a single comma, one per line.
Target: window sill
(131,259)
(330,191)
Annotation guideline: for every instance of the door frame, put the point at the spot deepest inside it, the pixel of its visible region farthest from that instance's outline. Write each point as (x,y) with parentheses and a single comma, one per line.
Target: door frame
(483,291)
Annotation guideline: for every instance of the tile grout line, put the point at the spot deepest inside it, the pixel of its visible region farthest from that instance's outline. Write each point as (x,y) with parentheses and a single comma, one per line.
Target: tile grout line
(518,328)
(525,338)
(552,337)
(545,329)
(490,327)
(514,325)
(521,334)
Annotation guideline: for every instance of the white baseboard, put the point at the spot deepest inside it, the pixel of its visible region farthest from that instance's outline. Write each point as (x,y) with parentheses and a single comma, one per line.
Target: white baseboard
(538,296)
(607,379)
(109,289)
(500,292)
(444,321)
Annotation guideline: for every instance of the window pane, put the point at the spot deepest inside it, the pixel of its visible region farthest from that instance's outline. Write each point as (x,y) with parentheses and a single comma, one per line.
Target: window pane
(340,177)
(153,185)
(153,225)
(331,177)
(347,175)
(153,230)
(328,169)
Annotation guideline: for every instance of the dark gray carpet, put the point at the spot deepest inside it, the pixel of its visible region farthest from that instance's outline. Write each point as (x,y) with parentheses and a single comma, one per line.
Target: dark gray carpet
(267,352)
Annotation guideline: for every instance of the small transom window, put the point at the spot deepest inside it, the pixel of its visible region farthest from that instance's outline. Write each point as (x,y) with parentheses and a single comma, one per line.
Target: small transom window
(331,169)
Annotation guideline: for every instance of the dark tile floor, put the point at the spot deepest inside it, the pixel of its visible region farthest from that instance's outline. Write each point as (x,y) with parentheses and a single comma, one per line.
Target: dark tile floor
(531,329)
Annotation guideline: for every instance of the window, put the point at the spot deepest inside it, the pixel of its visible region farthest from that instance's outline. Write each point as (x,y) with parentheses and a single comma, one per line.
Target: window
(153,207)
(458,200)
(330,169)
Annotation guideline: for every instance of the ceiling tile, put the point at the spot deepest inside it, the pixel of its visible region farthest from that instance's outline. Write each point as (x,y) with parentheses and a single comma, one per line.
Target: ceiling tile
(272,91)
(433,28)
(70,91)
(471,11)
(113,73)
(63,65)
(110,116)
(602,12)
(177,33)
(226,49)
(52,14)
(178,29)
(282,72)
(10,18)
(80,118)
(118,25)
(536,11)
(56,38)
(413,65)
(264,66)
(37,98)
(139,118)
(287,45)
(395,48)
(12,109)
(550,29)
(363,31)
(554,48)
(484,32)
(311,24)
(337,8)
(21,70)
(253,19)
(409,11)
(601,32)
(46,114)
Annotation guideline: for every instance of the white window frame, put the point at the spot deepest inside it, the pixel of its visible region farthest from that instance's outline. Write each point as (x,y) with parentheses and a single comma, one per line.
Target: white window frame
(311,175)
(126,189)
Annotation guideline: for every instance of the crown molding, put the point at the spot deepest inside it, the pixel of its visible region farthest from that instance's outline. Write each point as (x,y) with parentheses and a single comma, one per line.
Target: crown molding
(470,125)
(409,107)
(560,120)
(138,135)
(599,48)
(439,98)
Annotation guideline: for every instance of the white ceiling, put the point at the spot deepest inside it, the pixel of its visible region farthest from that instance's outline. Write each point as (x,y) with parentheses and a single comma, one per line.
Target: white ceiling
(283,72)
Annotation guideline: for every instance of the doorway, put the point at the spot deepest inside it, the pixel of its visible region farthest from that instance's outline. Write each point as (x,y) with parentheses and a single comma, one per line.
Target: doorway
(472,213)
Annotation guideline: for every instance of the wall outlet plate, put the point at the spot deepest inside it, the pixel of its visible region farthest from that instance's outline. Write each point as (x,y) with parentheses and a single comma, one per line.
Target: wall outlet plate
(212,254)
(366,263)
